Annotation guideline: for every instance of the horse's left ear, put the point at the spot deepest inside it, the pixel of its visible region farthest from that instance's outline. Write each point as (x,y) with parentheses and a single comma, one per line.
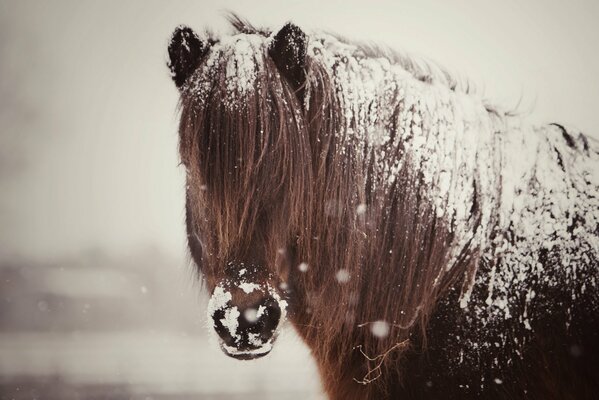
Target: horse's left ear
(288,51)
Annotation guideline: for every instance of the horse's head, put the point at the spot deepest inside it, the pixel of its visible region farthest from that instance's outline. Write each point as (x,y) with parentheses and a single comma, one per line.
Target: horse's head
(243,143)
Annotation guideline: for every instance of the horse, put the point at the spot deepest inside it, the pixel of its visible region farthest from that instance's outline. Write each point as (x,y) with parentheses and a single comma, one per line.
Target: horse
(423,242)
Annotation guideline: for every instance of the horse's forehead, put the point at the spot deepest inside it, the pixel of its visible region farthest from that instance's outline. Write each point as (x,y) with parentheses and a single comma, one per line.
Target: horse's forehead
(240,58)
(241,50)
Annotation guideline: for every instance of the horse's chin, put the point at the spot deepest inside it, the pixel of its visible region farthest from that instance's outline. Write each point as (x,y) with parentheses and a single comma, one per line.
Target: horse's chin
(252,354)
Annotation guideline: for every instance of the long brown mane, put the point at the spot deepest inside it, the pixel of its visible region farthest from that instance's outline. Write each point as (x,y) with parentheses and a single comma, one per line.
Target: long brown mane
(233,171)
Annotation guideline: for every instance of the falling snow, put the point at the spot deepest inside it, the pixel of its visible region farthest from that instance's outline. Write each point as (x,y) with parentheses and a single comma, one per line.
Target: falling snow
(380,329)
(361,209)
(303,267)
(342,276)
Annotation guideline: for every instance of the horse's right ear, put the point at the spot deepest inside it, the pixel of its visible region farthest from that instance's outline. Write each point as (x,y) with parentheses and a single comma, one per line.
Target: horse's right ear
(288,51)
(185,52)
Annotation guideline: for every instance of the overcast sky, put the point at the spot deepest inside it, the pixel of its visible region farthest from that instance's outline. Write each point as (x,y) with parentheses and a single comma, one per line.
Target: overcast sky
(88,154)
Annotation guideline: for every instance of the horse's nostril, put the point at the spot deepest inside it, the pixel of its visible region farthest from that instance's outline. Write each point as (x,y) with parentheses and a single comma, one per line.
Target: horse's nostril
(224,326)
(269,319)
(260,322)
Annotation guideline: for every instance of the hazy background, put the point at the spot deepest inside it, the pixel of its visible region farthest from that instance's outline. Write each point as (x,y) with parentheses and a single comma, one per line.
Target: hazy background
(97,298)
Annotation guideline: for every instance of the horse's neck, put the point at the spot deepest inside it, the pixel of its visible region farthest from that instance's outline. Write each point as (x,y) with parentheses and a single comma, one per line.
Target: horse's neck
(468,157)
(524,199)
(448,137)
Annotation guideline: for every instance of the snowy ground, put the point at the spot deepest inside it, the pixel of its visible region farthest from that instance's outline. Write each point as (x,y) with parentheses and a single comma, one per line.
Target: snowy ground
(148,365)
(99,326)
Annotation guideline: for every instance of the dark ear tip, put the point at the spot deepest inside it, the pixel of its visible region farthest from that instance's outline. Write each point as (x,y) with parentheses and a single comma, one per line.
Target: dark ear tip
(181,37)
(181,33)
(292,28)
(290,34)
(185,50)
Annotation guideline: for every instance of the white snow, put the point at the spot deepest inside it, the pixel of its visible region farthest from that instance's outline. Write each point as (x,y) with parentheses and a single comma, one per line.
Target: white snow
(303,267)
(249,287)
(241,56)
(380,329)
(231,321)
(251,315)
(361,209)
(219,299)
(342,276)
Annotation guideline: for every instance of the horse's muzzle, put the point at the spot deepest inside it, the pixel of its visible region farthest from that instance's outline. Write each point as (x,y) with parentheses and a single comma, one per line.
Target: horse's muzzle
(246,318)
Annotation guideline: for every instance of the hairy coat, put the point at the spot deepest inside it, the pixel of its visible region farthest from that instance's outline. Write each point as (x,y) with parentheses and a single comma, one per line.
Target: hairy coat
(427,245)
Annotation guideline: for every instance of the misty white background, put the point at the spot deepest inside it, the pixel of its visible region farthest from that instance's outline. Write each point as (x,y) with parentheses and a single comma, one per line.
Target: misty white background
(88,118)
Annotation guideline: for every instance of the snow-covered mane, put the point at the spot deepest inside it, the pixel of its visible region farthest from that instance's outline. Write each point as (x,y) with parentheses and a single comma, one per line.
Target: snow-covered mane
(421,68)
(397,213)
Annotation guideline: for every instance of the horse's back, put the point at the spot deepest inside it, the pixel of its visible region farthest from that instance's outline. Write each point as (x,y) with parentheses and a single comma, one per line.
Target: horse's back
(530,325)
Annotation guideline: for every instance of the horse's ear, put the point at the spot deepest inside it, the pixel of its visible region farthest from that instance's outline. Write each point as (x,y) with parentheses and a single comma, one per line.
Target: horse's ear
(185,52)
(288,51)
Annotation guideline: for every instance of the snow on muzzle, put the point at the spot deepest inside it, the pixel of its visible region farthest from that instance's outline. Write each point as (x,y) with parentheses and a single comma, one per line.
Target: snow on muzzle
(246,315)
